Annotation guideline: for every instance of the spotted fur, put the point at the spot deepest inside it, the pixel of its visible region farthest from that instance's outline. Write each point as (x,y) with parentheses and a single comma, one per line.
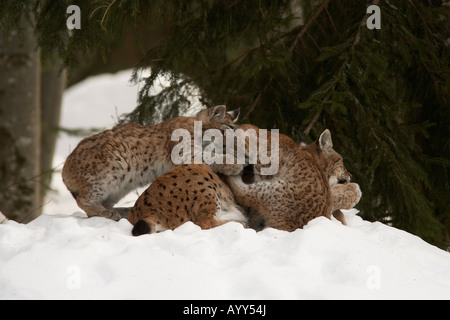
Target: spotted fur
(301,189)
(104,167)
(185,193)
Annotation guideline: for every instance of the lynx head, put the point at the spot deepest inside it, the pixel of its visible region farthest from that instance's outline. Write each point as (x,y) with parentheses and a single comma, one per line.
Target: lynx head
(329,160)
(219,114)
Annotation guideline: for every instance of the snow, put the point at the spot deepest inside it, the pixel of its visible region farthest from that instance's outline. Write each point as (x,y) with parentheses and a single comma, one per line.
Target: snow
(65,255)
(73,257)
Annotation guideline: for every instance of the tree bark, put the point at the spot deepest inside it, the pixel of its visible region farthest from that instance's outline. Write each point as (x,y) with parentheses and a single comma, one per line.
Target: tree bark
(20,130)
(53,83)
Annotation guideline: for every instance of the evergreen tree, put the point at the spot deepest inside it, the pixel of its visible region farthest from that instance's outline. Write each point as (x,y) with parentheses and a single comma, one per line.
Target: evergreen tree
(301,66)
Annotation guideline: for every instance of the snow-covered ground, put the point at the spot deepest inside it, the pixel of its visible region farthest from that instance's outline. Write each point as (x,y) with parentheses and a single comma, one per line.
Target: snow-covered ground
(64,255)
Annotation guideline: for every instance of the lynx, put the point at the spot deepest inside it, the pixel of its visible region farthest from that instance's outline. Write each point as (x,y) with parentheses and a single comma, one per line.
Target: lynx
(185,193)
(310,182)
(104,167)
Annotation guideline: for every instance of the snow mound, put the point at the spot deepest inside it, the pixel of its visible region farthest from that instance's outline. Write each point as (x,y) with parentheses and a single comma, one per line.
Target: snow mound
(73,257)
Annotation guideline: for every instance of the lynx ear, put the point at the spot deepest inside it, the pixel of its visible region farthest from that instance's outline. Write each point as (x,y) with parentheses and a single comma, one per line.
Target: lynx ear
(325,142)
(218,111)
(234,114)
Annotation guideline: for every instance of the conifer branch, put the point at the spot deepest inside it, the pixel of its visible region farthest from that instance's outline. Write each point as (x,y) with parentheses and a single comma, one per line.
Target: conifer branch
(327,92)
(313,121)
(258,99)
(106,12)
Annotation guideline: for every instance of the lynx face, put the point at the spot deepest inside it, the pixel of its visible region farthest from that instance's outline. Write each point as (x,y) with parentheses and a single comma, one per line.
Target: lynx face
(218,115)
(337,173)
(334,169)
(328,160)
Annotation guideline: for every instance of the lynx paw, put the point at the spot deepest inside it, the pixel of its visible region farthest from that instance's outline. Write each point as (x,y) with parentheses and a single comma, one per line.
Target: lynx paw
(345,196)
(111,214)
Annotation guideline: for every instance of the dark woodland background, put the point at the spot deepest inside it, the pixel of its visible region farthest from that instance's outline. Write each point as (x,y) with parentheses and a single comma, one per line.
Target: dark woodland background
(299,66)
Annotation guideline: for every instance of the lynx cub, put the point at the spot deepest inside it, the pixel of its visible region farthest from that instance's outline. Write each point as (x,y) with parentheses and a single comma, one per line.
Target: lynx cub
(185,193)
(104,167)
(303,187)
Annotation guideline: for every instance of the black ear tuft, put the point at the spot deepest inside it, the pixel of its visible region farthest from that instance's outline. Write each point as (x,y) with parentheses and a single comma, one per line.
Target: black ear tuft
(141,227)
(234,114)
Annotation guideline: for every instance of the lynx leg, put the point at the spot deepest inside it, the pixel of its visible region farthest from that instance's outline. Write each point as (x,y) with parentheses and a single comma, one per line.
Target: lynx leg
(345,196)
(205,218)
(339,216)
(209,223)
(123,211)
(231,213)
(94,209)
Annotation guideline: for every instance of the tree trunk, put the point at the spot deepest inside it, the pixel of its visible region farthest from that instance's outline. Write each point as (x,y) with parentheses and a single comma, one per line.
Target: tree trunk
(53,83)
(20,129)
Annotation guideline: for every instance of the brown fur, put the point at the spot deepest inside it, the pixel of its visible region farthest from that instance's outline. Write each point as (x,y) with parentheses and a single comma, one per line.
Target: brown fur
(299,191)
(344,196)
(186,193)
(104,167)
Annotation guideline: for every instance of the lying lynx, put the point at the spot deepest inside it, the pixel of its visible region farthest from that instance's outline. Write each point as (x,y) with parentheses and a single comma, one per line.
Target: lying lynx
(303,187)
(194,193)
(104,167)
(344,194)
(185,193)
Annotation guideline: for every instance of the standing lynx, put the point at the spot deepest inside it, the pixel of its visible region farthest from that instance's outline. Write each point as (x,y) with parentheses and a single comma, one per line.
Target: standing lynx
(104,167)
(185,193)
(301,189)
